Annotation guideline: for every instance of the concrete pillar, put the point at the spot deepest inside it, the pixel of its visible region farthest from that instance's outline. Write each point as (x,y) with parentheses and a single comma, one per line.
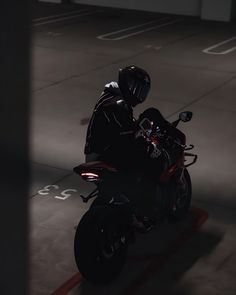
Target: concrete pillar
(220,10)
(14,148)
(233,14)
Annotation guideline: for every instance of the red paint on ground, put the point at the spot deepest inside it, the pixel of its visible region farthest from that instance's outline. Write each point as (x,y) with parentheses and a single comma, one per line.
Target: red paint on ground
(157,260)
(158,263)
(84,121)
(69,285)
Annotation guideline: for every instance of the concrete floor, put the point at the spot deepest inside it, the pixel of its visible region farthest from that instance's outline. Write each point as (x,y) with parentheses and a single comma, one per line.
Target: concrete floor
(70,67)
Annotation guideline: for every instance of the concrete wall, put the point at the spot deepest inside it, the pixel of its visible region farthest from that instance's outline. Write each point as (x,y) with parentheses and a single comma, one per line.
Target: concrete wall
(184,7)
(221,10)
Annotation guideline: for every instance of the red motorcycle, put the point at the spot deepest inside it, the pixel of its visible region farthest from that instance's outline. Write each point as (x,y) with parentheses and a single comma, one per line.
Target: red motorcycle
(108,227)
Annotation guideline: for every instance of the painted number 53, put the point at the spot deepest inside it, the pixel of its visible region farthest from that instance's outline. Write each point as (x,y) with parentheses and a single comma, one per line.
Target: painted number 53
(65,194)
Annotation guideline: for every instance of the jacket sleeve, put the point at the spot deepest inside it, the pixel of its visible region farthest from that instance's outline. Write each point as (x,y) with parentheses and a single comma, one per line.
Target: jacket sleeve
(120,117)
(123,128)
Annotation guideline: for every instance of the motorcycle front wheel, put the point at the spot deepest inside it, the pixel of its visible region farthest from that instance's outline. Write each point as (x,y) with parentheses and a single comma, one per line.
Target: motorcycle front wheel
(100,245)
(180,197)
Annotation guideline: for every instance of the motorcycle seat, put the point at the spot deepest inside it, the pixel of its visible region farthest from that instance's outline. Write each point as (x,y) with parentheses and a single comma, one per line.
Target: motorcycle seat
(94,167)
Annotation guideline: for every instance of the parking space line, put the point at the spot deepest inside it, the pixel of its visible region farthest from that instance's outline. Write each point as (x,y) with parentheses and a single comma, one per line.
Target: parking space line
(62,14)
(107,35)
(66,18)
(130,28)
(157,260)
(209,49)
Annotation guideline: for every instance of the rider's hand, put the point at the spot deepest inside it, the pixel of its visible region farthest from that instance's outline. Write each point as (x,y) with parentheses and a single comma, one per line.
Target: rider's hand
(139,134)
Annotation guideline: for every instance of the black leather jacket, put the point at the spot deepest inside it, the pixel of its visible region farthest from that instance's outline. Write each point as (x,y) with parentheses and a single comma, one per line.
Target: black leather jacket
(111,131)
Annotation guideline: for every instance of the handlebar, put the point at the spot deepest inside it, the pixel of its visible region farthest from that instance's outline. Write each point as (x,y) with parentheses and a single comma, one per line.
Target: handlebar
(149,132)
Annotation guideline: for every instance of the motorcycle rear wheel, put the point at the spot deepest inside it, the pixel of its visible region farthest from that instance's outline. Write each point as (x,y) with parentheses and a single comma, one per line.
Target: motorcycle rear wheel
(180,197)
(99,246)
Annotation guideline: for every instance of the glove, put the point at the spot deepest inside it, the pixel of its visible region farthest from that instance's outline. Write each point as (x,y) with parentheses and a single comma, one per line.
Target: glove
(154,151)
(139,134)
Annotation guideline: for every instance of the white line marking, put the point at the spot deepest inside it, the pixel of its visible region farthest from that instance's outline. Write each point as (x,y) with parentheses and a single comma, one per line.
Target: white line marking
(133,27)
(103,37)
(208,50)
(52,34)
(153,47)
(65,18)
(129,28)
(58,15)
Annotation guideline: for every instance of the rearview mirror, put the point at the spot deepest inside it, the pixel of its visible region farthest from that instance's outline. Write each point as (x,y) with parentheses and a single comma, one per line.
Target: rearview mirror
(185,116)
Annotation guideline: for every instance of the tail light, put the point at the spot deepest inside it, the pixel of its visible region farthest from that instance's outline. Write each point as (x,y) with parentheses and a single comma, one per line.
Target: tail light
(88,176)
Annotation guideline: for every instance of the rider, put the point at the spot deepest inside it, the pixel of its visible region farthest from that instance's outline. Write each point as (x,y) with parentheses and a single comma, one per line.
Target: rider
(114,136)
(113,132)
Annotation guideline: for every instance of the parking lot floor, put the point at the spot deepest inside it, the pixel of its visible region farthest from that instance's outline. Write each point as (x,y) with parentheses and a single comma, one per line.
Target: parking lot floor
(76,50)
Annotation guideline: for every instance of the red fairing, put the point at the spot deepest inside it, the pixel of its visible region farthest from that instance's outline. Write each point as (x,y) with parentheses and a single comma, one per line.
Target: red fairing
(165,176)
(155,139)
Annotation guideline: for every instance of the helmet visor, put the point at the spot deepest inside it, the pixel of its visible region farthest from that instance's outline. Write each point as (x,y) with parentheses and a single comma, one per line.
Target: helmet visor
(138,91)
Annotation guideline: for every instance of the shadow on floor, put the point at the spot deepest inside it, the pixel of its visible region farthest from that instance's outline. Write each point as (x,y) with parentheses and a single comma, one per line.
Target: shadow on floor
(157,275)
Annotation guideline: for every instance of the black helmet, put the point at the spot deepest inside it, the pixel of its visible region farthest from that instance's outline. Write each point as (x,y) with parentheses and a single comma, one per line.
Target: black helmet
(134,84)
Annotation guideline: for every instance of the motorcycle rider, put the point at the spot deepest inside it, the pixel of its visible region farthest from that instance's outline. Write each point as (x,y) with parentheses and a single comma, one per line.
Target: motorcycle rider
(114,136)
(113,133)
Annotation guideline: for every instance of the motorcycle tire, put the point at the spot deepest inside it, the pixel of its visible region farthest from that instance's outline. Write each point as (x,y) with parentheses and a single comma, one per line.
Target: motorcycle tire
(99,245)
(180,198)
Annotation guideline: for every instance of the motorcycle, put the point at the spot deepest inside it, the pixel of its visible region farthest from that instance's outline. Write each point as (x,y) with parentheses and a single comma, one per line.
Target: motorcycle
(109,226)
